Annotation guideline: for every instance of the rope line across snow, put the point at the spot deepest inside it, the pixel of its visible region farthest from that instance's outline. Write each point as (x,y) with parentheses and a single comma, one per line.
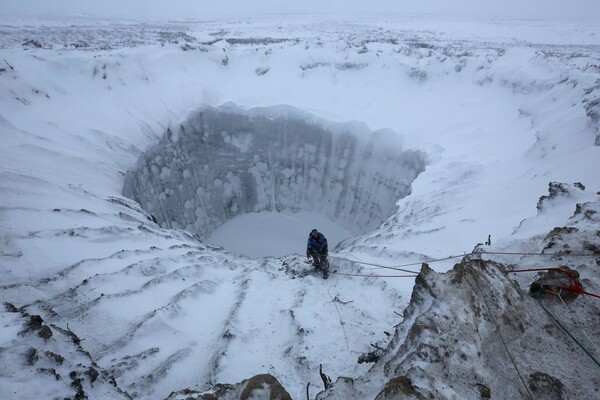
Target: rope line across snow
(535,254)
(502,337)
(374,276)
(563,328)
(401,266)
(397,267)
(335,300)
(577,324)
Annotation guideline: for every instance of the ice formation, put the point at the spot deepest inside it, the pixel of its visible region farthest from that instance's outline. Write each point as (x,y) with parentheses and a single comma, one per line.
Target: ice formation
(223,162)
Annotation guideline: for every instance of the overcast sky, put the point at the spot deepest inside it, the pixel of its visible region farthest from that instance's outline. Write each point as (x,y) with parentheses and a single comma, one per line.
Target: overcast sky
(198,9)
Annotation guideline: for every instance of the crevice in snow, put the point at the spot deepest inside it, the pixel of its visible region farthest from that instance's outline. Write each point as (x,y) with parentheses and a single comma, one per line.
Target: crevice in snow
(224,162)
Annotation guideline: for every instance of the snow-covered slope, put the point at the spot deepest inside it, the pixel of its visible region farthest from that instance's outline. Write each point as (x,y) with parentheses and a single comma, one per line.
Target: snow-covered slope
(498,116)
(477,331)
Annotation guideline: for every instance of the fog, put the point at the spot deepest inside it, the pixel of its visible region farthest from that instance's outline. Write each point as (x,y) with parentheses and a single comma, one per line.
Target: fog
(202,9)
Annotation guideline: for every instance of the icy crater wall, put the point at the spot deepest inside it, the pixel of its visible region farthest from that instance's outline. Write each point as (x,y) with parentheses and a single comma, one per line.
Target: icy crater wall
(224,162)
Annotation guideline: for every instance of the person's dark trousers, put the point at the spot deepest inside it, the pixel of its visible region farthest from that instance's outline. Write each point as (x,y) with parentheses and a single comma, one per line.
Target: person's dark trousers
(320,262)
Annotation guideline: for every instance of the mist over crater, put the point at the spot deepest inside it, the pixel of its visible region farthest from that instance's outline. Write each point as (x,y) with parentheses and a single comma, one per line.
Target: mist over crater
(224,162)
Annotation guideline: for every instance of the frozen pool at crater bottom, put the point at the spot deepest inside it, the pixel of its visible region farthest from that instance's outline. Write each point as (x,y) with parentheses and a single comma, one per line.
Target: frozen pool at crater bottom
(263,234)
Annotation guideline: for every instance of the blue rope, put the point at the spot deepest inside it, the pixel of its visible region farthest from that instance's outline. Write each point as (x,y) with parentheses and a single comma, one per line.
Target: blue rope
(537,295)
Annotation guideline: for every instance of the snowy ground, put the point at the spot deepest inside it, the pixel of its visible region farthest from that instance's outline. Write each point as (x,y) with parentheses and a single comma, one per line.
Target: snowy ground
(280,234)
(502,108)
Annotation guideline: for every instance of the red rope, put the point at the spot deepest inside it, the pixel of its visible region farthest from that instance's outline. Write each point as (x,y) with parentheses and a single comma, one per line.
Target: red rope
(575,287)
(590,294)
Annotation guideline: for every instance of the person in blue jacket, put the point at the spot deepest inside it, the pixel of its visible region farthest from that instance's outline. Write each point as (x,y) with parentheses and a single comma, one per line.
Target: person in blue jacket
(316,248)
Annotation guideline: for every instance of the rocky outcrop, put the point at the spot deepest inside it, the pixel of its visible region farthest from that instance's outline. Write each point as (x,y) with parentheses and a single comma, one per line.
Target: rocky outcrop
(399,387)
(591,104)
(474,333)
(555,190)
(259,387)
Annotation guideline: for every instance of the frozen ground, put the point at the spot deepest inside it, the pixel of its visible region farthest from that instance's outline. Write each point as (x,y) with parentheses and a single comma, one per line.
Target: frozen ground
(275,233)
(500,108)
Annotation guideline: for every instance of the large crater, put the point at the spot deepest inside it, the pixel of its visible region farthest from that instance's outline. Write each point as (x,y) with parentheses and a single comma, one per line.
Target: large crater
(224,162)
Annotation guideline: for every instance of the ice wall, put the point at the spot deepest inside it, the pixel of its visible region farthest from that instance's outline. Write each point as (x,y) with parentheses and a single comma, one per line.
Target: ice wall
(224,162)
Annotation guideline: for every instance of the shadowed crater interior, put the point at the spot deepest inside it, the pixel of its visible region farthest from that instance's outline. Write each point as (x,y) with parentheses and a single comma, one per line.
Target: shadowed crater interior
(223,162)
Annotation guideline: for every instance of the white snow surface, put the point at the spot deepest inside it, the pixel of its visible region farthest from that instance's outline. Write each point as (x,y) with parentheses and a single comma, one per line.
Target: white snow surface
(274,233)
(499,107)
